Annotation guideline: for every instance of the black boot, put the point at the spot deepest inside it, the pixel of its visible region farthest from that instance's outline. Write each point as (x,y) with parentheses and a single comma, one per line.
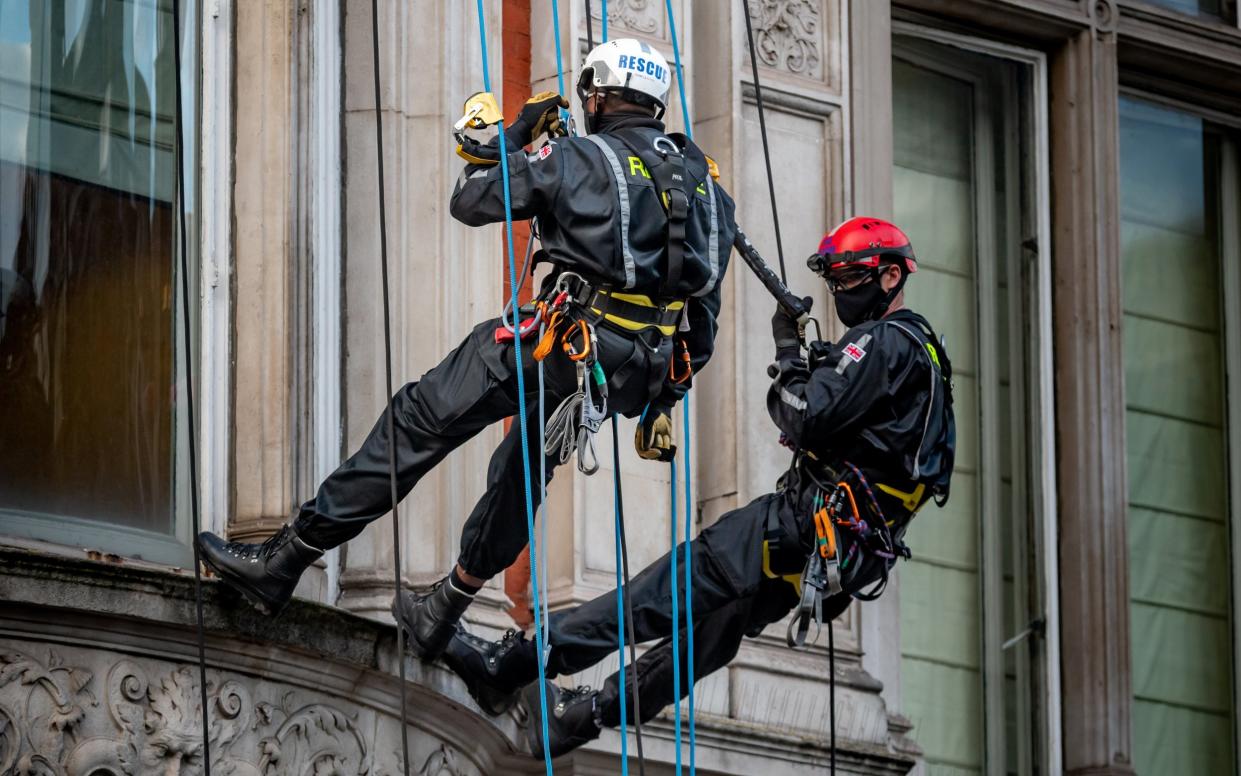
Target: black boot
(494,671)
(264,573)
(572,719)
(430,620)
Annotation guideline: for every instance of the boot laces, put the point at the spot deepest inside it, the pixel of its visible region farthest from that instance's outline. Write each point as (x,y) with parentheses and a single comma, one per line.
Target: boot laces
(262,551)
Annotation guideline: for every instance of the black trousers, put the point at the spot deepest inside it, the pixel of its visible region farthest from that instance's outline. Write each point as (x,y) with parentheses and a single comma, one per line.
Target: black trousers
(475,386)
(733,598)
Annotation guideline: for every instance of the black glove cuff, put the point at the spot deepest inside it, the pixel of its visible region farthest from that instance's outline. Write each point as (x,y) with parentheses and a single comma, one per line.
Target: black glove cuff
(787,352)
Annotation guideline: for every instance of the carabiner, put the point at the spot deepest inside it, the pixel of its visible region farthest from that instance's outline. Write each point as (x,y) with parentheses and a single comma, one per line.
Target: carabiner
(573,353)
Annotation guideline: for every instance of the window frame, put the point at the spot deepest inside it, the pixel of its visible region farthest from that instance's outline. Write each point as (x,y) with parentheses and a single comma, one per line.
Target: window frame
(1038,388)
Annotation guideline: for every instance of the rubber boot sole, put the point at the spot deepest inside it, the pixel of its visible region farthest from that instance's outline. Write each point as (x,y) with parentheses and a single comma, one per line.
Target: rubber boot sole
(255,599)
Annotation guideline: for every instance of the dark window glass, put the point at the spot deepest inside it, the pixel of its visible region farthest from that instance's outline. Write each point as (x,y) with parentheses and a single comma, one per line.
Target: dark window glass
(87,228)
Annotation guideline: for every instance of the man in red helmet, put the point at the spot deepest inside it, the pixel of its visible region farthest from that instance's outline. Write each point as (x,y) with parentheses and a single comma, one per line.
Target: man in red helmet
(869,419)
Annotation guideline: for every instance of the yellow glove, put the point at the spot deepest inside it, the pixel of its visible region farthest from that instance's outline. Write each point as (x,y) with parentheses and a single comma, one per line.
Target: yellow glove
(653,438)
(540,114)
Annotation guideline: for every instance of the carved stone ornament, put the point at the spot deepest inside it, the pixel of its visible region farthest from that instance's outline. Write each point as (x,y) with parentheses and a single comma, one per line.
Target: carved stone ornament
(52,724)
(637,15)
(1103,16)
(786,35)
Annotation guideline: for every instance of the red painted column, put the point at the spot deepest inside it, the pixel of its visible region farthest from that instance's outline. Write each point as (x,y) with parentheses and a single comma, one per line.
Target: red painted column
(516,47)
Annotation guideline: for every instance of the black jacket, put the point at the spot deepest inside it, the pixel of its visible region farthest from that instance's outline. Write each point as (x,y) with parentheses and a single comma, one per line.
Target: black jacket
(880,399)
(571,186)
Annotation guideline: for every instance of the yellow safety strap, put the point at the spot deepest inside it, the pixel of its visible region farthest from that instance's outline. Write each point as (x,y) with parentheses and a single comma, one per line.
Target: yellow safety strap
(911,501)
(641,300)
(792,579)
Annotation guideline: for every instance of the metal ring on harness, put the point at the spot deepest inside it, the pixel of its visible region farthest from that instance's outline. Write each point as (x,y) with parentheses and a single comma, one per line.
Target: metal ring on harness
(663,140)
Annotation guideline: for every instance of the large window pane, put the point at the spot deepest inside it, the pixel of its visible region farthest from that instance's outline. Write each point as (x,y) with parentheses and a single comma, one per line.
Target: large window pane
(87,229)
(1177,448)
(956,183)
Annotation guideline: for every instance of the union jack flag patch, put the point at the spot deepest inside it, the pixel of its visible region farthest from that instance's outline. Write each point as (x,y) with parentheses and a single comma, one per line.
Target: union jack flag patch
(854,352)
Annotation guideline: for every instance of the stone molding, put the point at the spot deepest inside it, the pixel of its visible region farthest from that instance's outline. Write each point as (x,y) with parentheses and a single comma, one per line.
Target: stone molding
(787,36)
(641,16)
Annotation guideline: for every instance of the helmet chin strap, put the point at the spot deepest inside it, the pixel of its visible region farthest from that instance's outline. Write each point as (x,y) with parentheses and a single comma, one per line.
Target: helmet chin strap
(882,308)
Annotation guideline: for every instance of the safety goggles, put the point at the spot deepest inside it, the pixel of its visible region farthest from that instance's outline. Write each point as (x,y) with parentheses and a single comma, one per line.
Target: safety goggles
(852,277)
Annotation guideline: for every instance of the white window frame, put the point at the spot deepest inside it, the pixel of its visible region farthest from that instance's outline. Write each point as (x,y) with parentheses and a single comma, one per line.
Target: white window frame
(1040,402)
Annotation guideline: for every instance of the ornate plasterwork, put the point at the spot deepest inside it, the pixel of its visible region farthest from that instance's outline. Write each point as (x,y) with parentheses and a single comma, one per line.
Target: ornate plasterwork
(787,35)
(642,16)
(58,720)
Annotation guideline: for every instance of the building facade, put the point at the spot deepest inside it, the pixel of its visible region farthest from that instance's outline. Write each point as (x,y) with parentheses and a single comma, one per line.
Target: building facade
(1068,171)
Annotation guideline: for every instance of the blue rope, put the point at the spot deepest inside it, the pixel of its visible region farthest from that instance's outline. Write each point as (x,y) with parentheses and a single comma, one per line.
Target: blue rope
(604,11)
(689,585)
(676,57)
(689,512)
(676,618)
(521,388)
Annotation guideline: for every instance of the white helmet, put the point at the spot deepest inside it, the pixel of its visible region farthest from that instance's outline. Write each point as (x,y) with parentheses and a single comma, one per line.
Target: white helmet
(630,67)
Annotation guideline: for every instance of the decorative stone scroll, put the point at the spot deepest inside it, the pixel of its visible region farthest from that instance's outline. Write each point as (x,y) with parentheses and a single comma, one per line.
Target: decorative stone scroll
(52,723)
(641,16)
(787,37)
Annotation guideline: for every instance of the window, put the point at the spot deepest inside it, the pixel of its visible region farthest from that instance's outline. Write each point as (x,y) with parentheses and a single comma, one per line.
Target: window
(88,348)
(963,188)
(1195,7)
(1174,234)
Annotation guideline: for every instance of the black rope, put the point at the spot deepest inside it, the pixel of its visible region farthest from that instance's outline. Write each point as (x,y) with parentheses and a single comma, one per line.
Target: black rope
(590,28)
(831,692)
(628,601)
(389,414)
(762,126)
(179,160)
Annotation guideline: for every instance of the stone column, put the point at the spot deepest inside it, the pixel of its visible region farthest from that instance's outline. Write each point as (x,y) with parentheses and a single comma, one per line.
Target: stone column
(263,434)
(443,275)
(1090,418)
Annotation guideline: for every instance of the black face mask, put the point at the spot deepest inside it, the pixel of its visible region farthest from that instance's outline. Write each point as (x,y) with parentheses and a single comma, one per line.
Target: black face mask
(865,302)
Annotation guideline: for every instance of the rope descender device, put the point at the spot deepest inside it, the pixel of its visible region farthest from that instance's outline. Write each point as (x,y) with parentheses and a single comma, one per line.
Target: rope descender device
(479,112)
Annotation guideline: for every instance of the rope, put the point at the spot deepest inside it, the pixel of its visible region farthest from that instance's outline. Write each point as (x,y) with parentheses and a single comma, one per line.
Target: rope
(783,277)
(521,388)
(625,593)
(618,508)
(762,128)
(389,414)
(179,161)
(831,693)
(676,619)
(689,586)
(775,219)
(689,606)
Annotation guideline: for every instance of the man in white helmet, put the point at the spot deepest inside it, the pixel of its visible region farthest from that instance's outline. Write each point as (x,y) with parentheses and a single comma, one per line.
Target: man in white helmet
(638,235)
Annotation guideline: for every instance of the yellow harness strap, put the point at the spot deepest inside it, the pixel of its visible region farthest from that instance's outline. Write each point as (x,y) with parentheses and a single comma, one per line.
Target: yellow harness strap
(911,501)
(792,579)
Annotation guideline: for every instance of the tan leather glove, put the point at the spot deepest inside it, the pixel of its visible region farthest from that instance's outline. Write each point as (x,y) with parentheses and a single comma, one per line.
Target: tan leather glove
(653,438)
(540,115)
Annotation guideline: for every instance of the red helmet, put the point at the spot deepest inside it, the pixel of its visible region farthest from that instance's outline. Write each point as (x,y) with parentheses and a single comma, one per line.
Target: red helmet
(864,242)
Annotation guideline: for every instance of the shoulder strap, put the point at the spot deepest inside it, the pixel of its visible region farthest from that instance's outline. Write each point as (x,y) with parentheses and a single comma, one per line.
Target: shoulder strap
(665,160)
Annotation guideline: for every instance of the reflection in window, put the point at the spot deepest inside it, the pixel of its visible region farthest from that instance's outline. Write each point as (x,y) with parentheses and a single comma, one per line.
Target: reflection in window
(1196,7)
(86,260)
(1176,442)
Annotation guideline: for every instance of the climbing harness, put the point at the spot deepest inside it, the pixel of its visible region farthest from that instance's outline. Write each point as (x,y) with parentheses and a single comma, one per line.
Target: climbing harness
(389,413)
(179,161)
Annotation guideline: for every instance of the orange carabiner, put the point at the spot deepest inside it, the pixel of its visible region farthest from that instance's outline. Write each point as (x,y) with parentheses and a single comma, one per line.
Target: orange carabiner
(568,342)
(680,355)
